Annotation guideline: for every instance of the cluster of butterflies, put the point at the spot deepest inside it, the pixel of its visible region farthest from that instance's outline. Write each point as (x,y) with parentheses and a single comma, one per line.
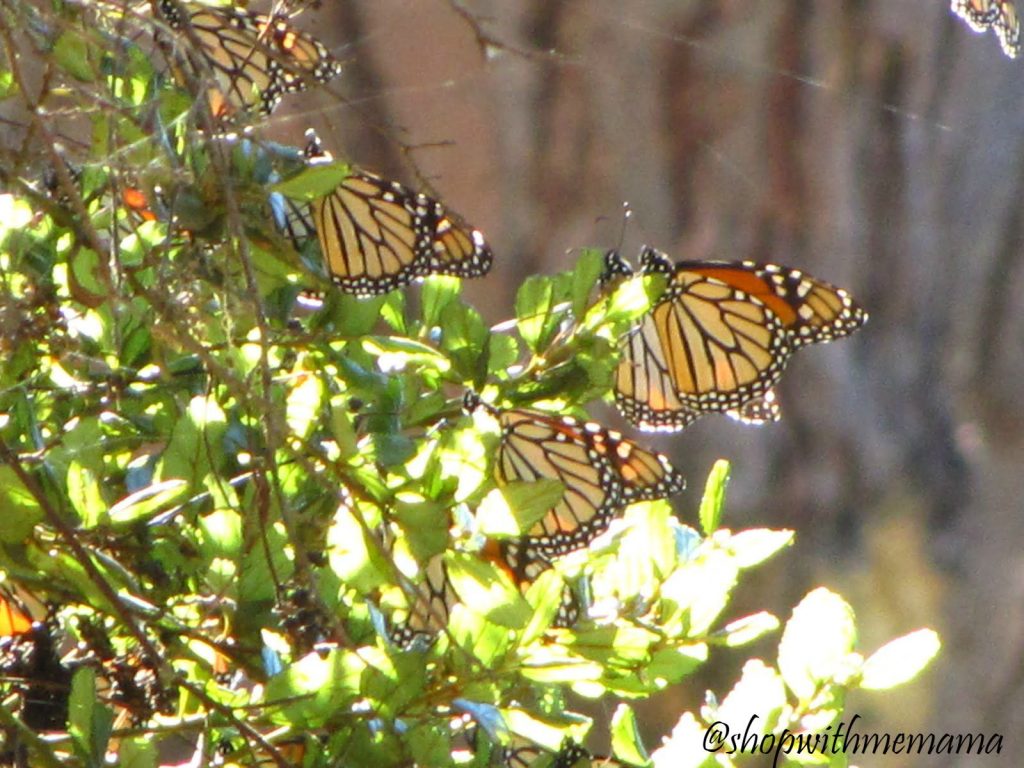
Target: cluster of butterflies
(35,667)
(998,15)
(717,341)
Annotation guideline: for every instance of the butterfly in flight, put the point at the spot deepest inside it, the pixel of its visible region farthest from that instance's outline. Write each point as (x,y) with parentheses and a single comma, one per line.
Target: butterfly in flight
(719,338)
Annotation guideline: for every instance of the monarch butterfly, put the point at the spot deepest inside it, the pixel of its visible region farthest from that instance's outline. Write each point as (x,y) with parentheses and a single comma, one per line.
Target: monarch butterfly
(254,58)
(376,235)
(435,595)
(719,338)
(1001,15)
(13,620)
(601,472)
(28,655)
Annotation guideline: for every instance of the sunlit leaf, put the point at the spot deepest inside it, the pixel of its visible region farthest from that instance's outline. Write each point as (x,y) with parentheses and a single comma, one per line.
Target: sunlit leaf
(714,497)
(85,496)
(89,721)
(755,702)
(900,660)
(626,741)
(314,182)
(487,591)
(148,502)
(817,644)
(516,507)
(22,510)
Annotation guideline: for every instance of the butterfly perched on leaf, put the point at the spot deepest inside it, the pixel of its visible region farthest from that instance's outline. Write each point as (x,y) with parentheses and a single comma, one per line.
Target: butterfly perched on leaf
(719,338)
(377,235)
(601,472)
(1000,15)
(434,595)
(254,59)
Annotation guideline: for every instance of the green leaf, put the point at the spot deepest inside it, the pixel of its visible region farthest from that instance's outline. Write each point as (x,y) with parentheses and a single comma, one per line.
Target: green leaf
(670,665)
(630,300)
(584,276)
(714,497)
(535,304)
(437,293)
(148,502)
(419,525)
(137,752)
(304,404)
(546,595)
(314,182)
(515,508)
(647,552)
(352,557)
(85,496)
(547,732)
(900,660)
(626,741)
(466,339)
(689,746)
(137,343)
(749,628)
(752,547)
(392,312)
(21,510)
(756,700)
(89,722)
(87,276)
(355,316)
(429,745)
(487,591)
(817,644)
(504,351)
(316,686)
(194,440)
(483,640)
(396,353)
(701,589)
(393,450)
(73,53)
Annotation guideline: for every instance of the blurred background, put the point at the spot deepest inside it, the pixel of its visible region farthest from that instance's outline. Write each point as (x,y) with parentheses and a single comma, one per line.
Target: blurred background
(877,145)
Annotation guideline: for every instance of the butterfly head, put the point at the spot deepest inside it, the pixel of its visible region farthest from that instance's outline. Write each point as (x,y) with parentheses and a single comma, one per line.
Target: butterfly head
(314,151)
(653,260)
(615,268)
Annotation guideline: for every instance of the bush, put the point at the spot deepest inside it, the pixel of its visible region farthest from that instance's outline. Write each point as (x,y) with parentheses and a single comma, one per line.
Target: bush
(225,497)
